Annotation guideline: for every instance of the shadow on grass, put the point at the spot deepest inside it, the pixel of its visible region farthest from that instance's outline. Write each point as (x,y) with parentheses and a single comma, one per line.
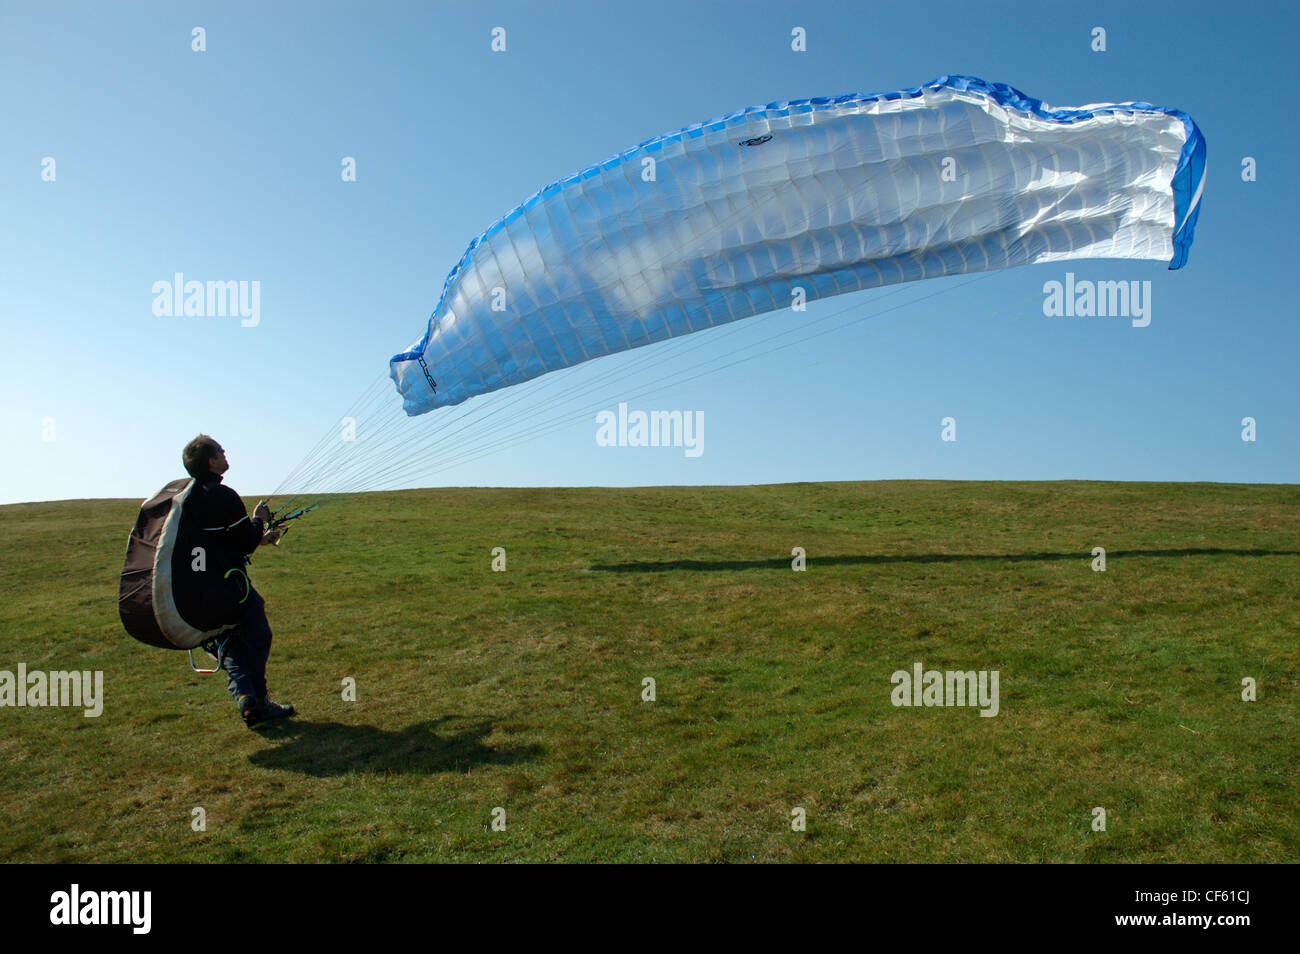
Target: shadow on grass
(783,563)
(326,749)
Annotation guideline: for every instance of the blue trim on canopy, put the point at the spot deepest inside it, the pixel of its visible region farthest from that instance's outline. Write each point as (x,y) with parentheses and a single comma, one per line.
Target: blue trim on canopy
(1187,181)
(1188,176)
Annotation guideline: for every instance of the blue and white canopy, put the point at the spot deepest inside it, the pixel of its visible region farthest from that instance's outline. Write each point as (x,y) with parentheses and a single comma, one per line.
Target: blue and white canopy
(726,219)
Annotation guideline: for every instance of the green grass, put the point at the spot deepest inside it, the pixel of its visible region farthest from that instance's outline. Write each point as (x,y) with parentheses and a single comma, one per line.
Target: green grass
(522,689)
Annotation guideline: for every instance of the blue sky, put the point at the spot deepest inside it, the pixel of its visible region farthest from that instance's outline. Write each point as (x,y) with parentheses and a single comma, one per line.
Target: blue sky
(225,165)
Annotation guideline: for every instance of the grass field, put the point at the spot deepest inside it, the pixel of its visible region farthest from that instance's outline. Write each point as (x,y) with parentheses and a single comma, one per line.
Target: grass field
(522,689)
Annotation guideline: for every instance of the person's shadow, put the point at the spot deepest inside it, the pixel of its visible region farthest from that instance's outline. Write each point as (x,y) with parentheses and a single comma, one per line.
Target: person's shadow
(783,562)
(326,749)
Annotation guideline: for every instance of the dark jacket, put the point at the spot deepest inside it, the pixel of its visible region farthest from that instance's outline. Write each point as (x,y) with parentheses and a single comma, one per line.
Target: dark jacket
(215,520)
(221,518)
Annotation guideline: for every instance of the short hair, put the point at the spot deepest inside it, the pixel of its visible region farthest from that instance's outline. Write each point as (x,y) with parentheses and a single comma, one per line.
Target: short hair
(197,453)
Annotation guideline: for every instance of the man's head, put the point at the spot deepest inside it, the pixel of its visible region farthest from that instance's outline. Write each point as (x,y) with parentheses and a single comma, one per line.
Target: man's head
(203,456)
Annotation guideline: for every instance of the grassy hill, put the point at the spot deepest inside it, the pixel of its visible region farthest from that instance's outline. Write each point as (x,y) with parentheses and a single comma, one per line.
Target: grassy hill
(523,689)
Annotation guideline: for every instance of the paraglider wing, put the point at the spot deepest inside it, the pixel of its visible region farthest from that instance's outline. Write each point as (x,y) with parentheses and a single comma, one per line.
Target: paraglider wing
(724,220)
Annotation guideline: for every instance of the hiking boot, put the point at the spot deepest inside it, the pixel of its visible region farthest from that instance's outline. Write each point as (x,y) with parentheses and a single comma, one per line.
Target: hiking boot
(275,710)
(249,710)
(255,711)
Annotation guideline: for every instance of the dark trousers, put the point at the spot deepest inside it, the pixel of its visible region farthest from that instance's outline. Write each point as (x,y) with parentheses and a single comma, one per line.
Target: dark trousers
(246,649)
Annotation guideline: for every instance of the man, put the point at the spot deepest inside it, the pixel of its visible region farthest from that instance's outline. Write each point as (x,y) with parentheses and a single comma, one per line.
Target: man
(218,523)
